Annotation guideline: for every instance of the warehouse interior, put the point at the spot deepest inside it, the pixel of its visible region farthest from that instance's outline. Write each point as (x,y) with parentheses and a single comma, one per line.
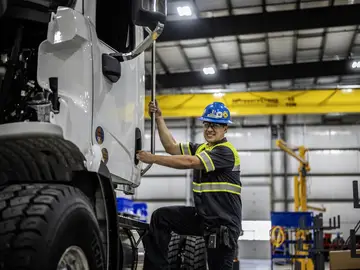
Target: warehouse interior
(75,80)
(288,71)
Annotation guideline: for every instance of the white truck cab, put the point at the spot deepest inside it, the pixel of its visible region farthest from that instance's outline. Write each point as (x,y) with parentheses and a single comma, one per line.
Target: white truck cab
(72,91)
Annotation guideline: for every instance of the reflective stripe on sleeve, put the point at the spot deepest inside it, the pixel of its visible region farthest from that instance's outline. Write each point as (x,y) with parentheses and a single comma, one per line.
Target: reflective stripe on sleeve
(206,160)
(217,187)
(236,168)
(185,148)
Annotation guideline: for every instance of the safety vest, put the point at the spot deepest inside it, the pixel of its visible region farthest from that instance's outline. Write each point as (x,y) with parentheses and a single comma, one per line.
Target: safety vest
(217,186)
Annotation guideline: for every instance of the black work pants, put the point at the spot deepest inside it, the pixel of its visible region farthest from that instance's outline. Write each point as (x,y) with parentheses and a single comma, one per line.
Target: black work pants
(182,220)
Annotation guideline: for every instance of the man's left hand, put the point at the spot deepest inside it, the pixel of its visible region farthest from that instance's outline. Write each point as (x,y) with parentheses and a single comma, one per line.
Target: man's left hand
(145,157)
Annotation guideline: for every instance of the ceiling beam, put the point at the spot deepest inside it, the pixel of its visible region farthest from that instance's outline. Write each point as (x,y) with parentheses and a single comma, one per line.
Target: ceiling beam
(261,23)
(255,74)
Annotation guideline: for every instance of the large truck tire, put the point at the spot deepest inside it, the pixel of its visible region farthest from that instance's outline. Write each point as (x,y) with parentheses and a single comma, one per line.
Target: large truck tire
(195,253)
(174,251)
(38,159)
(42,225)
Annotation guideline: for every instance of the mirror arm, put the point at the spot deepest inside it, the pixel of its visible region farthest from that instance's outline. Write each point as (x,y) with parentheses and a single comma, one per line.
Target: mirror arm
(148,30)
(146,43)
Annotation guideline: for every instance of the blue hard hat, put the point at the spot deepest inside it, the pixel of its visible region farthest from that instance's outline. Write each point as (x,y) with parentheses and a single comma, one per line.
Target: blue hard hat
(216,113)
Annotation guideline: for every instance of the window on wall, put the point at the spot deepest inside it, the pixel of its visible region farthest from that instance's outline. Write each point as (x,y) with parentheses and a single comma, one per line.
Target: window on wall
(114,24)
(256,230)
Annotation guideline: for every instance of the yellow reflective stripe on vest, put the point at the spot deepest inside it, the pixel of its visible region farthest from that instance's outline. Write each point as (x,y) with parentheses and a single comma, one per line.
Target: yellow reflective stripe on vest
(226,144)
(217,187)
(207,161)
(200,148)
(185,148)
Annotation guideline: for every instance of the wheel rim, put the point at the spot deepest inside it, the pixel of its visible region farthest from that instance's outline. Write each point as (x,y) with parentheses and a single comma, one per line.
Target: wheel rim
(73,259)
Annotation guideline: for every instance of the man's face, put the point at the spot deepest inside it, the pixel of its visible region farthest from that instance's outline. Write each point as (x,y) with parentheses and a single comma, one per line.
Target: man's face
(214,132)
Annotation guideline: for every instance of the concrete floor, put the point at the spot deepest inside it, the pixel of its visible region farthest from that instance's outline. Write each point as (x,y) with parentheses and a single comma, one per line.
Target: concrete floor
(266,265)
(259,265)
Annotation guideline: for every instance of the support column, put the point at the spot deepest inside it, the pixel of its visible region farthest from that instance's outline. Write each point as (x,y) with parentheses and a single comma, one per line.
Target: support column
(273,136)
(285,165)
(192,139)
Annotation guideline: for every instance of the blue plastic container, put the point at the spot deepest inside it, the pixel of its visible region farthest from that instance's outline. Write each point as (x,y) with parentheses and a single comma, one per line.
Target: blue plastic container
(125,205)
(140,209)
(291,219)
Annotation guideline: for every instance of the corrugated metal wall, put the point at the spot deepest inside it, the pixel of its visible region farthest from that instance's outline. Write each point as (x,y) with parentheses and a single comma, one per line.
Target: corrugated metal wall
(267,172)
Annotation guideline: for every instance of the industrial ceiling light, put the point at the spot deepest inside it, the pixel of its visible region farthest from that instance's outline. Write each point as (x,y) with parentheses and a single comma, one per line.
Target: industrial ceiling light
(355,64)
(184,11)
(209,70)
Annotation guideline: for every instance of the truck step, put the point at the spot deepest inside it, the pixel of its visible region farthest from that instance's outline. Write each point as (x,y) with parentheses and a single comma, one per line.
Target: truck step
(130,222)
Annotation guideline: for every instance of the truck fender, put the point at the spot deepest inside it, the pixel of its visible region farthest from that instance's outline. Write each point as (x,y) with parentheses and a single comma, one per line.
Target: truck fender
(99,188)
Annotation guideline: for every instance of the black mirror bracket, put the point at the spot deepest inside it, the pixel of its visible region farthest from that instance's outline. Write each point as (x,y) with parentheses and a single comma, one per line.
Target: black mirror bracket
(146,43)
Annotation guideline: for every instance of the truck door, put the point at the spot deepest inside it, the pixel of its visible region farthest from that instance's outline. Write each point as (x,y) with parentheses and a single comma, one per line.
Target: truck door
(119,90)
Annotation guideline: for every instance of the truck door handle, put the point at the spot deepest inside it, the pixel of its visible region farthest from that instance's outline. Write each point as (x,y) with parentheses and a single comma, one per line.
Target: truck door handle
(138,144)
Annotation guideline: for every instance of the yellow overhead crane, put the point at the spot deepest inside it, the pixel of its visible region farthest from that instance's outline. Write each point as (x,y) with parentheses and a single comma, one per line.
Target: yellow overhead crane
(300,196)
(261,102)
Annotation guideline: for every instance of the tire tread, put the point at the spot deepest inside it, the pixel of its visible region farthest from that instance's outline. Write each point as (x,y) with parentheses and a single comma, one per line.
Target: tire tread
(173,251)
(195,253)
(40,159)
(22,224)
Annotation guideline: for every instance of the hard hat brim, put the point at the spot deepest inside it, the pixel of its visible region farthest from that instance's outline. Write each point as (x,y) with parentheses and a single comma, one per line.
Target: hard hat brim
(218,121)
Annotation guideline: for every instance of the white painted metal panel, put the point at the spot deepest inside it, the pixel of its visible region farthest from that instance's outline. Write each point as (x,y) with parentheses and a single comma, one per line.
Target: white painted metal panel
(281,49)
(256,203)
(337,44)
(244,138)
(179,134)
(259,162)
(307,56)
(246,181)
(252,60)
(330,161)
(173,59)
(251,250)
(278,158)
(279,207)
(303,119)
(162,188)
(199,64)
(279,188)
(197,52)
(170,123)
(255,120)
(224,52)
(281,84)
(210,5)
(258,86)
(254,162)
(325,136)
(244,3)
(330,187)
(309,42)
(253,47)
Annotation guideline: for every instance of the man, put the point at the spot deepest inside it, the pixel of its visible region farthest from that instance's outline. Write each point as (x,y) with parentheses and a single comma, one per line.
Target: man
(216,187)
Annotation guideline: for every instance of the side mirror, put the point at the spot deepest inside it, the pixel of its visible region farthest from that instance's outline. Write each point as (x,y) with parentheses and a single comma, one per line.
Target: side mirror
(149,14)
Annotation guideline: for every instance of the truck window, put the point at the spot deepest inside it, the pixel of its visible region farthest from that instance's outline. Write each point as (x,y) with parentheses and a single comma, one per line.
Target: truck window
(114,24)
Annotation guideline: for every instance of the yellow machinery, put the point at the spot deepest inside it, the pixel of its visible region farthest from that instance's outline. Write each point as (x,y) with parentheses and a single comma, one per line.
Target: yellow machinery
(300,197)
